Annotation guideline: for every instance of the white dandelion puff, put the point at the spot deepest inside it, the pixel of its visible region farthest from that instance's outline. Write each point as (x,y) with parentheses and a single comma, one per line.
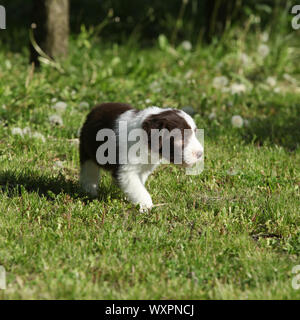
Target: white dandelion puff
(277,90)
(56,120)
(84,105)
(263,50)
(237,121)
(148,101)
(186,45)
(17,132)
(264,37)
(232,172)
(245,59)
(271,81)
(60,106)
(155,87)
(38,135)
(237,88)
(220,82)
(8,64)
(27,131)
(189,74)
(212,116)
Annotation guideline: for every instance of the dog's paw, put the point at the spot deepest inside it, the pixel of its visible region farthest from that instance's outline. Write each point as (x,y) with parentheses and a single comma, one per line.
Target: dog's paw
(144,209)
(145,205)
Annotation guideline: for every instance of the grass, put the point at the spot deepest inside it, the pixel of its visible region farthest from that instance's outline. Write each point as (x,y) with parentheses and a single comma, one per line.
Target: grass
(230,233)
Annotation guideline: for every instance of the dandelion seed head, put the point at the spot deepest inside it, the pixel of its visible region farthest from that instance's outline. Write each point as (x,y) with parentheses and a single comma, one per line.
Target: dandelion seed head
(212,116)
(263,50)
(38,135)
(232,172)
(189,74)
(237,88)
(186,45)
(60,106)
(27,131)
(8,64)
(220,82)
(277,90)
(271,81)
(264,37)
(155,87)
(237,121)
(84,105)
(245,59)
(56,120)
(17,132)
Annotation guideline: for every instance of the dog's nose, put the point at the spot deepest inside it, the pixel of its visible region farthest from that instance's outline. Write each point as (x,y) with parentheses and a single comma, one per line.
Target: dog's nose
(199,154)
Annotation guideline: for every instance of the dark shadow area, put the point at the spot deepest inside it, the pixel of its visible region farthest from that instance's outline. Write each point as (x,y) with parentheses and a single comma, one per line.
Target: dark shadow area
(119,21)
(13,182)
(279,129)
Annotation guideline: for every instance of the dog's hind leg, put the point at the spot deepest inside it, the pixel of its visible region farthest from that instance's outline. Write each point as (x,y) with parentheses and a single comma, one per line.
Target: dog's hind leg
(89,177)
(89,171)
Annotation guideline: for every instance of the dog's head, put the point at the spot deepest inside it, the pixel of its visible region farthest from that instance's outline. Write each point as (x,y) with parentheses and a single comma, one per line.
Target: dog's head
(172,134)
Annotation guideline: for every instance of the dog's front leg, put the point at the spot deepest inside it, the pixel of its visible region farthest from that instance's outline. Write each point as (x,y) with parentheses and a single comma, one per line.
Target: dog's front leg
(131,184)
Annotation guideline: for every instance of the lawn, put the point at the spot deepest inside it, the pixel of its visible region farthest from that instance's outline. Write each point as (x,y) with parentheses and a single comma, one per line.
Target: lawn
(231,232)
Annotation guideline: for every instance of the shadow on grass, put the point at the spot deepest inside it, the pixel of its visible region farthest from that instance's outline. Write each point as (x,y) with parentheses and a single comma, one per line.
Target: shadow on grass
(278,130)
(13,183)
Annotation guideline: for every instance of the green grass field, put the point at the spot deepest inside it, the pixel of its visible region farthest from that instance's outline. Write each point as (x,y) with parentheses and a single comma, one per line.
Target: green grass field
(232,232)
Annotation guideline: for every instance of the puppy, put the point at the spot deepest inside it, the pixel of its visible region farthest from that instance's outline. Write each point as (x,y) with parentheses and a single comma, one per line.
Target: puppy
(108,141)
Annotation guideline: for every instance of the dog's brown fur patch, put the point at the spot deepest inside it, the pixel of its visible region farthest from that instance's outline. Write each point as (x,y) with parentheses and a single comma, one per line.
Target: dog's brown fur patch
(102,116)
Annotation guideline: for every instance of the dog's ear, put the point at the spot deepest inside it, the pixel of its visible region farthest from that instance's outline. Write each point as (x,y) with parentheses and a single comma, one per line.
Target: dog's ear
(154,122)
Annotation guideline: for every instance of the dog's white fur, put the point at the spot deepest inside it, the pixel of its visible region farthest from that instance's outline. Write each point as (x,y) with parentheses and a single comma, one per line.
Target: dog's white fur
(132,177)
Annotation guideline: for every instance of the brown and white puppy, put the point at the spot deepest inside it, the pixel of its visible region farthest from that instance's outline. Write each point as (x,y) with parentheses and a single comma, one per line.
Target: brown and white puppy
(108,140)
